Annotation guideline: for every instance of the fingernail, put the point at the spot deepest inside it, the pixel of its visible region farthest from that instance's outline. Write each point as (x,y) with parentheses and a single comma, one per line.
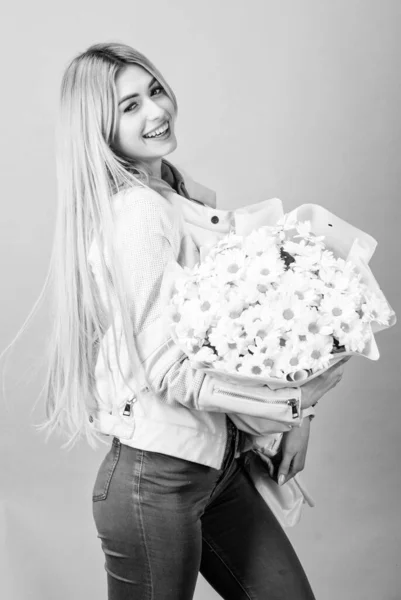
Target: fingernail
(281,479)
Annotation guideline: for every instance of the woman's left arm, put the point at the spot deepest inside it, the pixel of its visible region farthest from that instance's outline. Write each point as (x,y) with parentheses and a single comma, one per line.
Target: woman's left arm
(294,446)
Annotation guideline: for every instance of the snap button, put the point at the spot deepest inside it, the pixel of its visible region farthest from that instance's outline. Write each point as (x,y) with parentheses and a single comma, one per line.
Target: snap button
(90,419)
(215,219)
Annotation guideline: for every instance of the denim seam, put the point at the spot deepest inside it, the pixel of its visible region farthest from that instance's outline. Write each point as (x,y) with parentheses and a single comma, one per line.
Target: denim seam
(116,449)
(226,467)
(214,549)
(142,522)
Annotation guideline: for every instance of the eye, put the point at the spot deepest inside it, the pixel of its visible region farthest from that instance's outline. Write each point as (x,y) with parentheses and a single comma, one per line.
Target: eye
(160,88)
(131,107)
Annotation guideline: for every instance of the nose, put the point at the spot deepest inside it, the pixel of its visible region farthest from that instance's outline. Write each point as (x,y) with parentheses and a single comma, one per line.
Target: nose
(152,110)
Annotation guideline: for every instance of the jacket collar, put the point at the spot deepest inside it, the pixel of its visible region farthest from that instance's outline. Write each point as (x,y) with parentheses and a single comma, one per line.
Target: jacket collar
(173,179)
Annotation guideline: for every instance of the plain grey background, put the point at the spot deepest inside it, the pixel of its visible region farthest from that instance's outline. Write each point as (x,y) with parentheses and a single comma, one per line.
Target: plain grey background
(293,99)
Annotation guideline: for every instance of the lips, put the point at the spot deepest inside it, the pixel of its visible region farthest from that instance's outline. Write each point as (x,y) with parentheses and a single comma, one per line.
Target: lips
(160,138)
(166,122)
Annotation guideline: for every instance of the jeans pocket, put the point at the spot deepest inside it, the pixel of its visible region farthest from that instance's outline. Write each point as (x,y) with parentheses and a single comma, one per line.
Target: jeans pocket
(106,470)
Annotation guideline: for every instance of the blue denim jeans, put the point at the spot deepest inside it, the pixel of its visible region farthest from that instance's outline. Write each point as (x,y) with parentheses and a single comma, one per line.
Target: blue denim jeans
(162,520)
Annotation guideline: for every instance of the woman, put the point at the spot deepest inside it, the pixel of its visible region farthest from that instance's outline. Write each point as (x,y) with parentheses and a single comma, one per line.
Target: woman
(171,497)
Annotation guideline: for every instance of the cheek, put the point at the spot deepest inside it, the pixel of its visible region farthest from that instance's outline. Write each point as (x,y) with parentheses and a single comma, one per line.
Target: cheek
(128,134)
(169,106)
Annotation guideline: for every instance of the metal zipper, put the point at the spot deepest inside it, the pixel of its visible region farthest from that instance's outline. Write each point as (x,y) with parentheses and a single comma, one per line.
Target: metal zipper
(291,402)
(128,407)
(129,403)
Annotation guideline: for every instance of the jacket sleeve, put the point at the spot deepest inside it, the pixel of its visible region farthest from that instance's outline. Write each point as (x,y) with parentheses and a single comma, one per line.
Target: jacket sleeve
(147,247)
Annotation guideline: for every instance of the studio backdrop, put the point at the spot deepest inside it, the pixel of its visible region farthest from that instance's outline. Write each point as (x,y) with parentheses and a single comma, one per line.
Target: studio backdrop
(298,100)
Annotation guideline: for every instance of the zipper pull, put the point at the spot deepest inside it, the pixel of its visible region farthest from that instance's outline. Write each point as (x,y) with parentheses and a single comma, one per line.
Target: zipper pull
(128,407)
(293,403)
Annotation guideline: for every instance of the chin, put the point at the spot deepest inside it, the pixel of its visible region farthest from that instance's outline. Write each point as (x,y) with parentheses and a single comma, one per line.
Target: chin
(170,148)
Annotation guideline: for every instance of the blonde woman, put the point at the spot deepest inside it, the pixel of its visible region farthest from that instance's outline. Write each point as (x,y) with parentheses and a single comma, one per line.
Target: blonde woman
(171,497)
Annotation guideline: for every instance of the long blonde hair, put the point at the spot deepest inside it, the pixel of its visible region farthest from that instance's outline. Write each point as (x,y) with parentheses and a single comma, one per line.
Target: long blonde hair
(89,173)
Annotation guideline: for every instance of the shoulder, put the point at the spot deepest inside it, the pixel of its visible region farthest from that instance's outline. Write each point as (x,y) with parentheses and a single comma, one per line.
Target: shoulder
(141,202)
(142,212)
(137,198)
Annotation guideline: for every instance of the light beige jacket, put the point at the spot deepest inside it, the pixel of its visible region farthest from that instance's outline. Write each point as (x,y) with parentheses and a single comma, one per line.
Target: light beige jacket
(177,410)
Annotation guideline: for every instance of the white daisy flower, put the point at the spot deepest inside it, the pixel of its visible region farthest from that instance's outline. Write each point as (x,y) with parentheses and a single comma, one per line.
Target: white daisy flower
(288,311)
(231,362)
(251,314)
(338,306)
(307,261)
(318,352)
(282,362)
(375,308)
(206,355)
(345,276)
(300,284)
(259,242)
(354,334)
(257,365)
(289,357)
(251,290)
(304,228)
(229,265)
(266,268)
(327,260)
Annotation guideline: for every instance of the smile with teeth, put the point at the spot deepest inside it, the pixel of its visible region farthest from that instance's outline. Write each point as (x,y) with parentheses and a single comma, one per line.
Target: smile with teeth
(158,132)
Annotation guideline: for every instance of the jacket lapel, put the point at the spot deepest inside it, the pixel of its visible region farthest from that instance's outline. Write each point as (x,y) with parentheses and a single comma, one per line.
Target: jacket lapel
(191,189)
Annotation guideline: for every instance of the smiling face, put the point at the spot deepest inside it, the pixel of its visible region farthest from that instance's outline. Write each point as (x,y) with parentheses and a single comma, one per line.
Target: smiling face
(144,108)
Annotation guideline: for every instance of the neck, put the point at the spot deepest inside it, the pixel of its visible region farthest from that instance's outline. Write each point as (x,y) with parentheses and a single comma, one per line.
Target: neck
(156,167)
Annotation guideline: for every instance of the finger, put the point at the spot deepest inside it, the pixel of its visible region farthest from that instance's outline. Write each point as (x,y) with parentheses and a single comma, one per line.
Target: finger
(284,468)
(297,466)
(336,379)
(289,476)
(340,363)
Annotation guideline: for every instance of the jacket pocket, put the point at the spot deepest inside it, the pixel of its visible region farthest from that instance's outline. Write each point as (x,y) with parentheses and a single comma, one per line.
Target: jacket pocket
(106,470)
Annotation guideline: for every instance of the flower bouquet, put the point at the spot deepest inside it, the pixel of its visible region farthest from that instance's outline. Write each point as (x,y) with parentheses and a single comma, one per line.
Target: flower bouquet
(278,305)
(282,303)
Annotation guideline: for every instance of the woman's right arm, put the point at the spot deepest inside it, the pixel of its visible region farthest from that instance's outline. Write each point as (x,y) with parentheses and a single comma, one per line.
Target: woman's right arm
(145,244)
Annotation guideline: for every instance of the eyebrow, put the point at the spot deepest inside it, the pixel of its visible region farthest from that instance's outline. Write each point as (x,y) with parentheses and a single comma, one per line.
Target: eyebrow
(135,95)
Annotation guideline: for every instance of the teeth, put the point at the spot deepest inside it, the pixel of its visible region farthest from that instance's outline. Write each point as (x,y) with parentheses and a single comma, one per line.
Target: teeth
(158,131)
